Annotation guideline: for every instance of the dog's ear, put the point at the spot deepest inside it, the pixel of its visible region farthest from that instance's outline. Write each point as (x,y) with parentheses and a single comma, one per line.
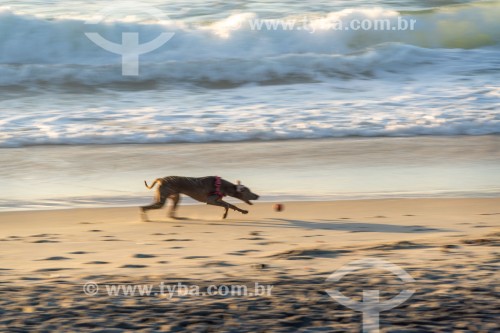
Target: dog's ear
(239,187)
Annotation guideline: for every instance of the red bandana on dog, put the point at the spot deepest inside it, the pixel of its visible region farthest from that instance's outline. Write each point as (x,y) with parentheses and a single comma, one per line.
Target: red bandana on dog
(217,188)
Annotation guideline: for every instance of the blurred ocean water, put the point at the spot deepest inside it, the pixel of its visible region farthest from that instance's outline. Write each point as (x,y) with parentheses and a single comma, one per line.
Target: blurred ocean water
(218,79)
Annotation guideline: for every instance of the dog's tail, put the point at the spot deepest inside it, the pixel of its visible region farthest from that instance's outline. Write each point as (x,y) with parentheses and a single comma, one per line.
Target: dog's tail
(157,180)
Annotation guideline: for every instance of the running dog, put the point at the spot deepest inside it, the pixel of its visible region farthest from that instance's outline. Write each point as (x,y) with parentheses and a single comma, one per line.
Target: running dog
(210,190)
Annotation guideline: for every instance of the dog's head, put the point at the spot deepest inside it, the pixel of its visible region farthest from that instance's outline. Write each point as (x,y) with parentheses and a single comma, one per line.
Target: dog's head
(244,194)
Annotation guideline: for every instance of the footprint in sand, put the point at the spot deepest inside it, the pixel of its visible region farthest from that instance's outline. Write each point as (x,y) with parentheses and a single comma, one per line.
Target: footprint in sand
(481,241)
(177,240)
(97,262)
(269,243)
(143,256)
(251,238)
(162,262)
(177,247)
(44,235)
(94,230)
(449,247)
(10,239)
(31,278)
(196,257)
(242,252)
(402,245)
(219,263)
(79,252)
(45,241)
(55,258)
(110,238)
(306,254)
(55,269)
(134,266)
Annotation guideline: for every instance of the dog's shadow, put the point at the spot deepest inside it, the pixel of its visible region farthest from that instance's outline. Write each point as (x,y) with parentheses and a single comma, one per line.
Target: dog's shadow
(353,226)
(322,224)
(169,219)
(179,219)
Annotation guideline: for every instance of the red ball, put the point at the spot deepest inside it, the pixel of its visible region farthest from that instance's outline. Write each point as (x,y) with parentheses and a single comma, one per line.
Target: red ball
(278,207)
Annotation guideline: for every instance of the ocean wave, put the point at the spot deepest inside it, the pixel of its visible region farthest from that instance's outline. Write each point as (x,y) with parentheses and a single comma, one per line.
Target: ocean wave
(280,69)
(253,114)
(189,136)
(229,52)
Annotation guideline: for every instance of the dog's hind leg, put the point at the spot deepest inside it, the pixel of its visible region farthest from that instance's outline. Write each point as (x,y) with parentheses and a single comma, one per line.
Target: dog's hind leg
(176,198)
(160,202)
(214,200)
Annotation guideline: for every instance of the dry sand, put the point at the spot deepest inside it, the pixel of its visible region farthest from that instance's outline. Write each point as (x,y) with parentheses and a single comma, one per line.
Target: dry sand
(449,246)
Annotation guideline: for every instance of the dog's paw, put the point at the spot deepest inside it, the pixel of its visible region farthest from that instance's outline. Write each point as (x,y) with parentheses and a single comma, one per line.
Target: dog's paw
(244,212)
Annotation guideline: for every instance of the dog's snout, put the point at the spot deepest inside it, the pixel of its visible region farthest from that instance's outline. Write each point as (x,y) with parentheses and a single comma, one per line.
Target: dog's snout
(256,197)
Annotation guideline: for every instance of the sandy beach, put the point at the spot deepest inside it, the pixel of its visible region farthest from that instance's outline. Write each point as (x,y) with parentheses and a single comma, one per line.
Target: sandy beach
(448,246)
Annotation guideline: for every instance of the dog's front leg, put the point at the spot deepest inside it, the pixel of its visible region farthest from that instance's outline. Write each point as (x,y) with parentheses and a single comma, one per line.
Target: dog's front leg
(233,207)
(216,201)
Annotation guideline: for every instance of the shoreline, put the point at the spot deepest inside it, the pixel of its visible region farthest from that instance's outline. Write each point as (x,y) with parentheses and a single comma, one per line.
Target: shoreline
(135,203)
(258,141)
(330,169)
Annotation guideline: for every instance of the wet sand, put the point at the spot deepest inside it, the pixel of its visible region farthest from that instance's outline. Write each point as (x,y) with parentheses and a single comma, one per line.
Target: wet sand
(329,169)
